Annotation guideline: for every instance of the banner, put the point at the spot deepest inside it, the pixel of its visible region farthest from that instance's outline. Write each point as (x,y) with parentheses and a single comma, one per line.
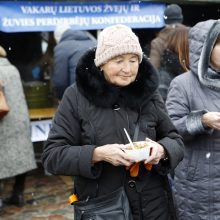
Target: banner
(23,16)
(40,130)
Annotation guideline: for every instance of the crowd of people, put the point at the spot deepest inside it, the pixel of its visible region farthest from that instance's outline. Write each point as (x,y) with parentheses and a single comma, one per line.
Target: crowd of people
(170,100)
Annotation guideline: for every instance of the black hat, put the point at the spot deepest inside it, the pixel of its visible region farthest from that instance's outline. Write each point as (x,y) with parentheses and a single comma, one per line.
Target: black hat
(173,14)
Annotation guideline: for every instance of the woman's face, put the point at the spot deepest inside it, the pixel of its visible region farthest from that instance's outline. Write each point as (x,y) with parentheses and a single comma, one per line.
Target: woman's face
(121,70)
(215,56)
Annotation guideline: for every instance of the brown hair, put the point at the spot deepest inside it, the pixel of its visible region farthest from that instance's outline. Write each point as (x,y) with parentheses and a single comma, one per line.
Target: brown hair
(178,43)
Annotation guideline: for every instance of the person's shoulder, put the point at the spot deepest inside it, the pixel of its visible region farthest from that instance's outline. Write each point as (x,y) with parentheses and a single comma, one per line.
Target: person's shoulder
(182,77)
(165,31)
(183,80)
(169,29)
(72,89)
(71,95)
(158,41)
(65,48)
(162,35)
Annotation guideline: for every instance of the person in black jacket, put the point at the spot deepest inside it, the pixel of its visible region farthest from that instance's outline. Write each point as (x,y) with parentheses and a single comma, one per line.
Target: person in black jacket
(116,88)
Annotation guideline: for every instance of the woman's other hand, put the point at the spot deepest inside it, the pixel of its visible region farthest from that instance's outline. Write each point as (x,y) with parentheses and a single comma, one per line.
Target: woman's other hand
(112,153)
(211,120)
(157,152)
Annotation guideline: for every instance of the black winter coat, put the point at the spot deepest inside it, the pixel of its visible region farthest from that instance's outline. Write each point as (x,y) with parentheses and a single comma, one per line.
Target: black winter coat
(94,113)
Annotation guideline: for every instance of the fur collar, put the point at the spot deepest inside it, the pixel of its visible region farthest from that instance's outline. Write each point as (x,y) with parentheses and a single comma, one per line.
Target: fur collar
(96,89)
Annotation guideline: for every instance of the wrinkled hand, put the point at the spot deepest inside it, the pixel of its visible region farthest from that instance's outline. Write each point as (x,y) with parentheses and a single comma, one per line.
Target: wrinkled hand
(157,152)
(212,120)
(112,153)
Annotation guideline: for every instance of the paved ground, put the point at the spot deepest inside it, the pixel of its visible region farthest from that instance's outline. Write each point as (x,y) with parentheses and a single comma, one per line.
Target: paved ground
(46,199)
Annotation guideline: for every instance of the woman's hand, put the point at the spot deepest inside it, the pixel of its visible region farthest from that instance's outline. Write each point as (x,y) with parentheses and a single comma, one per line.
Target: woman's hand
(211,120)
(112,153)
(157,152)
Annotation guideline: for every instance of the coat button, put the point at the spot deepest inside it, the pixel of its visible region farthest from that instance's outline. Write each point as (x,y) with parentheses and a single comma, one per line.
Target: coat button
(116,107)
(131,183)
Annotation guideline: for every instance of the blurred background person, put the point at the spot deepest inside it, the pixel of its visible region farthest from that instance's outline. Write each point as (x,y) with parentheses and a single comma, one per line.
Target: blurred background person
(16,149)
(71,45)
(173,18)
(174,59)
(194,107)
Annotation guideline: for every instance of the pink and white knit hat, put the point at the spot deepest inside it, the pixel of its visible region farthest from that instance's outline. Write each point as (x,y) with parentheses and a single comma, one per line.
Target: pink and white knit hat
(114,41)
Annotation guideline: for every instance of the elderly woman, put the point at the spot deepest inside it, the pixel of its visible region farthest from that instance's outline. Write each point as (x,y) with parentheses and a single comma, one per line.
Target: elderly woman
(194,106)
(116,88)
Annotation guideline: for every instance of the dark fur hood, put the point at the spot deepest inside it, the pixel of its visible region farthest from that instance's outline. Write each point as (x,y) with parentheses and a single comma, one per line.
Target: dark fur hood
(96,89)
